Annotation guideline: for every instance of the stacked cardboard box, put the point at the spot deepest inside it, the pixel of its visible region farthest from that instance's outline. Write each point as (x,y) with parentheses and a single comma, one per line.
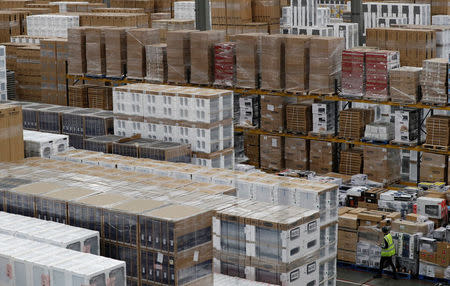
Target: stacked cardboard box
(438,131)
(353,121)
(434,258)
(202,55)
(41,144)
(296,153)
(138,20)
(351,162)
(156,63)
(11,22)
(322,157)
(381,164)
(115,51)
(68,7)
(251,149)
(379,131)
(404,84)
(77,50)
(298,118)
(348,224)
(414,46)
(297,63)
(433,168)
(273,61)
(378,65)
(407,125)
(137,39)
(273,112)
(100,97)
(225,12)
(78,95)
(167,25)
(225,64)
(11,143)
(95,51)
(272,152)
(439,7)
(371,198)
(326,58)
(267,12)
(433,80)
(248,60)
(28,73)
(179,56)
(324,115)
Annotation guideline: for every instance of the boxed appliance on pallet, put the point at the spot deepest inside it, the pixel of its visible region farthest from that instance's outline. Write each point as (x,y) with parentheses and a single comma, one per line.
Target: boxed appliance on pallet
(323,115)
(379,131)
(249,110)
(156,56)
(378,65)
(406,125)
(51,25)
(39,144)
(433,80)
(382,164)
(225,64)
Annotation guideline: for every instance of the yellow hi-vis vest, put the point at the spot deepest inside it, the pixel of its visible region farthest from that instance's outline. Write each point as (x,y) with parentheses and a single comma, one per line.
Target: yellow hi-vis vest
(390,250)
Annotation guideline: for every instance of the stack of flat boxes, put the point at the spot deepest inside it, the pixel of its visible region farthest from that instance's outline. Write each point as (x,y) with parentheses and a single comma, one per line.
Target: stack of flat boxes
(272,152)
(28,73)
(229,15)
(353,121)
(322,157)
(406,125)
(296,153)
(179,56)
(351,162)
(438,130)
(408,169)
(115,51)
(354,72)
(248,60)
(166,113)
(323,115)
(225,64)
(137,39)
(267,12)
(11,143)
(273,112)
(404,84)
(433,168)
(298,118)
(434,81)
(156,56)
(3,81)
(251,149)
(53,70)
(249,110)
(381,164)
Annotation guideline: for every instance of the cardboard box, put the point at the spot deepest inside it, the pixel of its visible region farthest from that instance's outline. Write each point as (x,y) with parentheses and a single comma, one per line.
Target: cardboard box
(296,153)
(349,221)
(248,59)
(137,39)
(272,152)
(347,240)
(347,256)
(273,61)
(11,143)
(179,56)
(297,62)
(115,51)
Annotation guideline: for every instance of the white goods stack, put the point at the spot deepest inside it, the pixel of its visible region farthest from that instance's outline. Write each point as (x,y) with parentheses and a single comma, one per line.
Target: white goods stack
(50,232)
(416,14)
(41,144)
(184,10)
(249,110)
(197,116)
(440,20)
(3,79)
(324,115)
(51,25)
(29,262)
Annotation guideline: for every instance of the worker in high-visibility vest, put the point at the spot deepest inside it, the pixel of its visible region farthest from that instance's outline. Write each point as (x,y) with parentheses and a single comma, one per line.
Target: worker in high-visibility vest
(387,253)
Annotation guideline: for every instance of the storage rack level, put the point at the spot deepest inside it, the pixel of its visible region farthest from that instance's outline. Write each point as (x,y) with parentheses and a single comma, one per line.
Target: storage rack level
(313,95)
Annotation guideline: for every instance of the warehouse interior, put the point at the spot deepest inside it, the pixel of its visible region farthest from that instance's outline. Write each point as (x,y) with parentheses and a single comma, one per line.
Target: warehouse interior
(224,142)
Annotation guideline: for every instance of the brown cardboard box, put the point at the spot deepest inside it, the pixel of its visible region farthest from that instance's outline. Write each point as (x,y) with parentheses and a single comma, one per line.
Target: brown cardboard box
(202,55)
(322,156)
(116,51)
(349,221)
(381,164)
(427,256)
(273,112)
(298,118)
(11,141)
(272,152)
(77,50)
(347,256)
(296,153)
(410,227)
(433,168)
(351,162)
(347,240)
(95,51)
(248,59)
(179,56)
(344,210)
(404,84)
(297,62)
(326,58)
(273,61)
(137,39)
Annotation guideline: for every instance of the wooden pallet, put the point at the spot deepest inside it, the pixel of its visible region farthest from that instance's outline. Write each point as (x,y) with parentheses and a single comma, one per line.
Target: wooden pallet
(325,135)
(401,143)
(436,147)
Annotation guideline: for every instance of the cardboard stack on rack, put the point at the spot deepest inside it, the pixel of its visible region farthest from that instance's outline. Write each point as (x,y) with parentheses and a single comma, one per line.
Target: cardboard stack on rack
(115,51)
(78,95)
(273,112)
(381,164)
(326,58)
(248,60)
(351,162)
(251,149)
(433,80)
(354,72)
(297,63)
(414,46)
(11,24)
(272,152)
(28,73)
(322,156)
(298,118)
(438,131)
(100,97)
(273,62)
(296,153)
(404,84)
(433,168)
(202,55)
(352,122)
(137,39)
(156,56)
(179,56)
(11,143)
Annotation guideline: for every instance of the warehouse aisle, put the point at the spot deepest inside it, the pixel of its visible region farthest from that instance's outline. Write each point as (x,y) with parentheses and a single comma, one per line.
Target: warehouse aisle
(349,277)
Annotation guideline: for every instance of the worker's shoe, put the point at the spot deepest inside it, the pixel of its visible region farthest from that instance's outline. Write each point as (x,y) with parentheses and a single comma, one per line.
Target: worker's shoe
(377,276)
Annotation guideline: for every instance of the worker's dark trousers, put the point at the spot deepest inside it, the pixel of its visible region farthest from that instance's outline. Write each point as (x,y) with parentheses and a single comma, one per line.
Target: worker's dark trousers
(385,262)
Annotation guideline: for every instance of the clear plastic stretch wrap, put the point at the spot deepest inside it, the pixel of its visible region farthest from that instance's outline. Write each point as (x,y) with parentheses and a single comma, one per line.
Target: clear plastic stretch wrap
(273,62)
(322,157)
(433,80)
(156,63)
(179,56)
(326,58)
(116,51)
(438,130)
(272,152)
(404,84)
(225,64)
(202,55)
(137,39)
(378,65)
(77,50)
(248,59)
(297,62)
(296,153)
(382,164)
(95,51)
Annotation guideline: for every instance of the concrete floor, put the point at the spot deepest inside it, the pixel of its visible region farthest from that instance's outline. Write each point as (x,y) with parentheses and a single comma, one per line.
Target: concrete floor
(350,277)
